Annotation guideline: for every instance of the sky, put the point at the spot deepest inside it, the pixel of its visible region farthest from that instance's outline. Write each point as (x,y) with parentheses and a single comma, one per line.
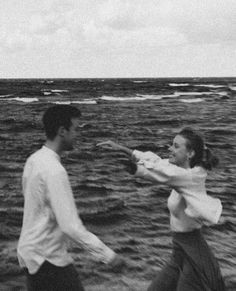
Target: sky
(117,38)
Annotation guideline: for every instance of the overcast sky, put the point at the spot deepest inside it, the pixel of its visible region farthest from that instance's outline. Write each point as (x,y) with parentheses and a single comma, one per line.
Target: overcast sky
(117,38)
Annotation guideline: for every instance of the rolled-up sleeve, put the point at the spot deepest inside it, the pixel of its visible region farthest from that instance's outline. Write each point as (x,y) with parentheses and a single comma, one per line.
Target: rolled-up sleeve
(63,205)
(156,169)
(190,183)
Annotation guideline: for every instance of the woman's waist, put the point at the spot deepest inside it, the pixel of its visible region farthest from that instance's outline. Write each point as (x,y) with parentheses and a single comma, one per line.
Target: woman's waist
(183,223)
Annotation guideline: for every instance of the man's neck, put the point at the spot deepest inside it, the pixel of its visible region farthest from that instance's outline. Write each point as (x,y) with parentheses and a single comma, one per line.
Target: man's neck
(54,146)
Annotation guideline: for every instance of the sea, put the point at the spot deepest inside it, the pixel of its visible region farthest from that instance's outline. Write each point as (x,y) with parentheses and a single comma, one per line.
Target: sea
(129,214)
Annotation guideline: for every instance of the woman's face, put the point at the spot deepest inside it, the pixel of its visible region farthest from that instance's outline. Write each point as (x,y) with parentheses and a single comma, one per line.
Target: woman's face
(179,154)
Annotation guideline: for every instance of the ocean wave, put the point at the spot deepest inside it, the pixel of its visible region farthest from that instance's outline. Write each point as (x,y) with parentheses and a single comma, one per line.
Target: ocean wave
(222,131)
(10,167)
(12,216)
(112,98)
(58,91)
(222,93)
(209,86)
(138,97)
(197,100)
(143,97)
(106,211)
(225,225)
(193,93)
(9,232)
(232,87)
(179,84)
(150,97)
(5,96)
(46,82)
(9,120)
(140,82)
(90,186)
(85,101)
(24,99)
(167,121)
(48,92)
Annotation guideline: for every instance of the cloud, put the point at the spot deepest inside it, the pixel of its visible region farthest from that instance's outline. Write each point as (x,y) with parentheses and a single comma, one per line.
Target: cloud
(132,24)
(200,21)
(46,24)
(15,42)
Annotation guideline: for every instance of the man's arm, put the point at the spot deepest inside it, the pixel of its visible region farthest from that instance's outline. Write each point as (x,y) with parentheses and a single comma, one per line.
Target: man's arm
(64,208)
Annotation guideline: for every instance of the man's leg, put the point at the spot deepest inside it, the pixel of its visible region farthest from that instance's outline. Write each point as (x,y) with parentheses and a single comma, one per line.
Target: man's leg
(53,278)
(67,278)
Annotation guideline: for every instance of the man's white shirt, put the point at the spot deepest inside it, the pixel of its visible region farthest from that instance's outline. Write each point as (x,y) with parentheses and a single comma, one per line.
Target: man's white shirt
(51,217)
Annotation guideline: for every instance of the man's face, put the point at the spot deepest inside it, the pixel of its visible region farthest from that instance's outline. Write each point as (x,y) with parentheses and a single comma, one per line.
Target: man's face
(70,135)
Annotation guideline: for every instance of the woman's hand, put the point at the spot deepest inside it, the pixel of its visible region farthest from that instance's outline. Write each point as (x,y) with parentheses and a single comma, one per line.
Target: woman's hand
(110,145)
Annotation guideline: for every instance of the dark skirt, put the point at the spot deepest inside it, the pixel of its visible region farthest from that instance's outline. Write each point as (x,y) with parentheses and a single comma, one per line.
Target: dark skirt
(192,267)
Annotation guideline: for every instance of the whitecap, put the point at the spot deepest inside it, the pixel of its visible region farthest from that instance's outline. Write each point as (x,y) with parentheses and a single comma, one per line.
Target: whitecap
(3,96)
(58,91)
(150,97)
(46,82)
(191,100)
(138,97)
(193,93)
(61,102)
(178,84)
(85,101)
(112,98)
(209,86)
(223,93)
(232,87)
(24,99)
(140,81)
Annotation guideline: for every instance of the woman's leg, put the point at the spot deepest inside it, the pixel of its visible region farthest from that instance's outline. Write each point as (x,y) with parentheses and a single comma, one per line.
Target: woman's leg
(200,271)
(189,280)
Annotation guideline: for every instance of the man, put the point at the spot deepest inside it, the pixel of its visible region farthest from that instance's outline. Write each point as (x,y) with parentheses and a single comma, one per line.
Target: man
(50,215)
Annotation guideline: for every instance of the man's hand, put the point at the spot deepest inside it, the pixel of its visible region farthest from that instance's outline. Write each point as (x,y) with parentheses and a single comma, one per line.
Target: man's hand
(117,263)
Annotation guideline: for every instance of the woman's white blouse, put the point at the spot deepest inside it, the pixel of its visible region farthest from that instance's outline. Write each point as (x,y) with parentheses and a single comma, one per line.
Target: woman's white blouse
(188,203)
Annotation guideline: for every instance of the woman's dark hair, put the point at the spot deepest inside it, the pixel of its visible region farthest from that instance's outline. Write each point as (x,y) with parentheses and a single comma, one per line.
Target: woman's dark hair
(203,155)
(57,116)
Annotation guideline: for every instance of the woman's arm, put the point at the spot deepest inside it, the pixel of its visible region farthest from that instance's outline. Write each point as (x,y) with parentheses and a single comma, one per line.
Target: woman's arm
(130,166)
(115,146)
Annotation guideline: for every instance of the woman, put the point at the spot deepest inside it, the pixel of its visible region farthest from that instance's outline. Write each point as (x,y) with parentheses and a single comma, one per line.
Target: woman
(192,266)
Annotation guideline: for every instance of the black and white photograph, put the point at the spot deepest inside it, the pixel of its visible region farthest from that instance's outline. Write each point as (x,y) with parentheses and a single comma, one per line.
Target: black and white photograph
(118,145)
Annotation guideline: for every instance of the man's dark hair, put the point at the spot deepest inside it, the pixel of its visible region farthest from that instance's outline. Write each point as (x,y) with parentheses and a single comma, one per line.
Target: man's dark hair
(57,116)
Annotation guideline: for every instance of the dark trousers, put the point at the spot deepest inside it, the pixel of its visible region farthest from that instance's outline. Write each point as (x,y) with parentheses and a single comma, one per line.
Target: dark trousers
(53,278)
(192,267)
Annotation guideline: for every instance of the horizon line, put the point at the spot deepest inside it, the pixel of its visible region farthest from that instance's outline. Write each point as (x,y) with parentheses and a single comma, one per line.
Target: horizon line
(66,78)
